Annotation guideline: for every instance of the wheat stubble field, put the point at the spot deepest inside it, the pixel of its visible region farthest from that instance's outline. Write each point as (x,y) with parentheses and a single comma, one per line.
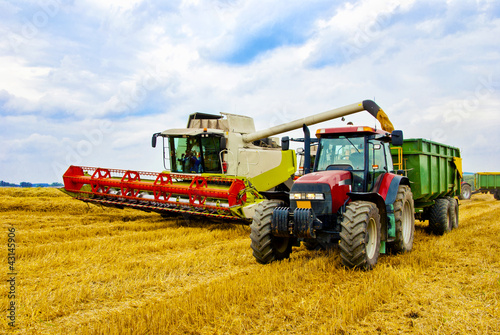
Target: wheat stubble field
(87,270)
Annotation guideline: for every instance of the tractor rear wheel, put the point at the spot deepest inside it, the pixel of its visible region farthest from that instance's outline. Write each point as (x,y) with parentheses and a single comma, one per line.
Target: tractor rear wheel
(440,217)
(466,192)
(266,247)
(454,212)
(360,235)
(404,219)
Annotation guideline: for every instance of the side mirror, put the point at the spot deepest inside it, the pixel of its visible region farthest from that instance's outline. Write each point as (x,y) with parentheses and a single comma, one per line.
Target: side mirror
(153,139)
(285,143)
(223,143)
(397,138)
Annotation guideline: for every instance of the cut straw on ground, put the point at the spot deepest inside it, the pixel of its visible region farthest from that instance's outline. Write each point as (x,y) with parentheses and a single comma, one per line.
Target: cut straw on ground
(87,270)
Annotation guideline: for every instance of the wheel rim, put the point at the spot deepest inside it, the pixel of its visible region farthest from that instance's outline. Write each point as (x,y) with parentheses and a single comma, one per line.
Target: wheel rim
(371,238)
(406,224)
(466,193)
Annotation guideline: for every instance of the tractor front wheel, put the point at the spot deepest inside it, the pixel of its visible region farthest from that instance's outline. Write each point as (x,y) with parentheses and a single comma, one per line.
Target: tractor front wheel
(360,235)
(266,247)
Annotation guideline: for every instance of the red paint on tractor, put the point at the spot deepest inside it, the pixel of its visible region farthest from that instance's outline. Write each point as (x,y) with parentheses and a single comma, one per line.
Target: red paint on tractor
(339,182)
(385,185)
(349,130)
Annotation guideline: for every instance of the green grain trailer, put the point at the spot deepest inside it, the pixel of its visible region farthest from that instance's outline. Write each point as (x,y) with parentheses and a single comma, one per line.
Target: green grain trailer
(435,172)
(485,182)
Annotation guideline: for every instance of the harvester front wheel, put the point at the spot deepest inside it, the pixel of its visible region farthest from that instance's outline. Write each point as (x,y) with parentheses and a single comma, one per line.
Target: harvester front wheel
(266,247)
(404,219)
(360,235)
(440,217)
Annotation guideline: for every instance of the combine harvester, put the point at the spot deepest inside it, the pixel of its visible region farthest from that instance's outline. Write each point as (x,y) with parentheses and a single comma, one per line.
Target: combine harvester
(220,167)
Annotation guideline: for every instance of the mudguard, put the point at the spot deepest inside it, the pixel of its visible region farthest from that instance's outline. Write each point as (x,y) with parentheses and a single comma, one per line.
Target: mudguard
(387,186)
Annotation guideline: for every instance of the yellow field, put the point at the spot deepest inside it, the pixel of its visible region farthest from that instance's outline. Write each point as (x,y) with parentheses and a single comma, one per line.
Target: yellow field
(87,270)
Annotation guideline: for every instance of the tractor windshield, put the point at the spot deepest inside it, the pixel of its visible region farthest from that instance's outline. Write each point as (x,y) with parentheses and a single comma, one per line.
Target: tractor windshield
(195,154)
(341,153)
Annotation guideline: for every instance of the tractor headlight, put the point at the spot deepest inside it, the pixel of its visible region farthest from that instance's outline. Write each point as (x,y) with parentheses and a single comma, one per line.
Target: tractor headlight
(307,196)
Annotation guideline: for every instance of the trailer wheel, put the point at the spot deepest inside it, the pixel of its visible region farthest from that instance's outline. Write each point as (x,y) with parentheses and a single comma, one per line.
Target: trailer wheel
(440,217)
(497,195)
(454,212)
(266,247)
(404,219)
(466,192)
(360,235)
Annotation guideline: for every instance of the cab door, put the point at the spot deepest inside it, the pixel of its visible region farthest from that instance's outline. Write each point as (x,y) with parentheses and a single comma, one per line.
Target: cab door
(377,162)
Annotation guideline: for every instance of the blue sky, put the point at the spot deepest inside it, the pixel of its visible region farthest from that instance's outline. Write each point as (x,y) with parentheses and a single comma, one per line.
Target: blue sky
(88,82)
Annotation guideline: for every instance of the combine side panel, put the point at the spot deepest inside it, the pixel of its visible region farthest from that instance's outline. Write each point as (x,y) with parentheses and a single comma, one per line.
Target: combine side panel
(215,196)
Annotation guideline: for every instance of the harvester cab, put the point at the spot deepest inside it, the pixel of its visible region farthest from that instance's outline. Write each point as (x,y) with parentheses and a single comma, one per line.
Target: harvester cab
(214,145)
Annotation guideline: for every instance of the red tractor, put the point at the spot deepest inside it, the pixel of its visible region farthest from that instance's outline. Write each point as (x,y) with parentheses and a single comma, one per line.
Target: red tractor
(352,198)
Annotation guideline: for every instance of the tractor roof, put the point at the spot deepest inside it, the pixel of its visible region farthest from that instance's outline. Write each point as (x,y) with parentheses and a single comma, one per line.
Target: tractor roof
(362,130)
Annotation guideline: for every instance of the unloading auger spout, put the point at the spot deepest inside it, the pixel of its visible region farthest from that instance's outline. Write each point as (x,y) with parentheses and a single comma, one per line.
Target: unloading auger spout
(365,105)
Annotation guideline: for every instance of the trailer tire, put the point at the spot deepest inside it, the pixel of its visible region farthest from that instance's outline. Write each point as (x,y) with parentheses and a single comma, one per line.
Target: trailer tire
(266,247)
(404,220)
(466,192)
(497,195)
(360,235)
(454,212)
(440,217)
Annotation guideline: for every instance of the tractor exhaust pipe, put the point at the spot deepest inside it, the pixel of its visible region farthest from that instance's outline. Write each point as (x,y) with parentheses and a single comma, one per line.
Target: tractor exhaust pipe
(367,105)
(307,149)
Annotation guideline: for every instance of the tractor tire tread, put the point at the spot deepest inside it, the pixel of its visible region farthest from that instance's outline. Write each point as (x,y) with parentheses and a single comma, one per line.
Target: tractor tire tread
(352,237)
(399,245)
(261,234)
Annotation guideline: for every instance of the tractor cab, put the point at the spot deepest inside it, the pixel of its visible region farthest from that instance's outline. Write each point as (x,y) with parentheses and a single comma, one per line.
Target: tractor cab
(363,151)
